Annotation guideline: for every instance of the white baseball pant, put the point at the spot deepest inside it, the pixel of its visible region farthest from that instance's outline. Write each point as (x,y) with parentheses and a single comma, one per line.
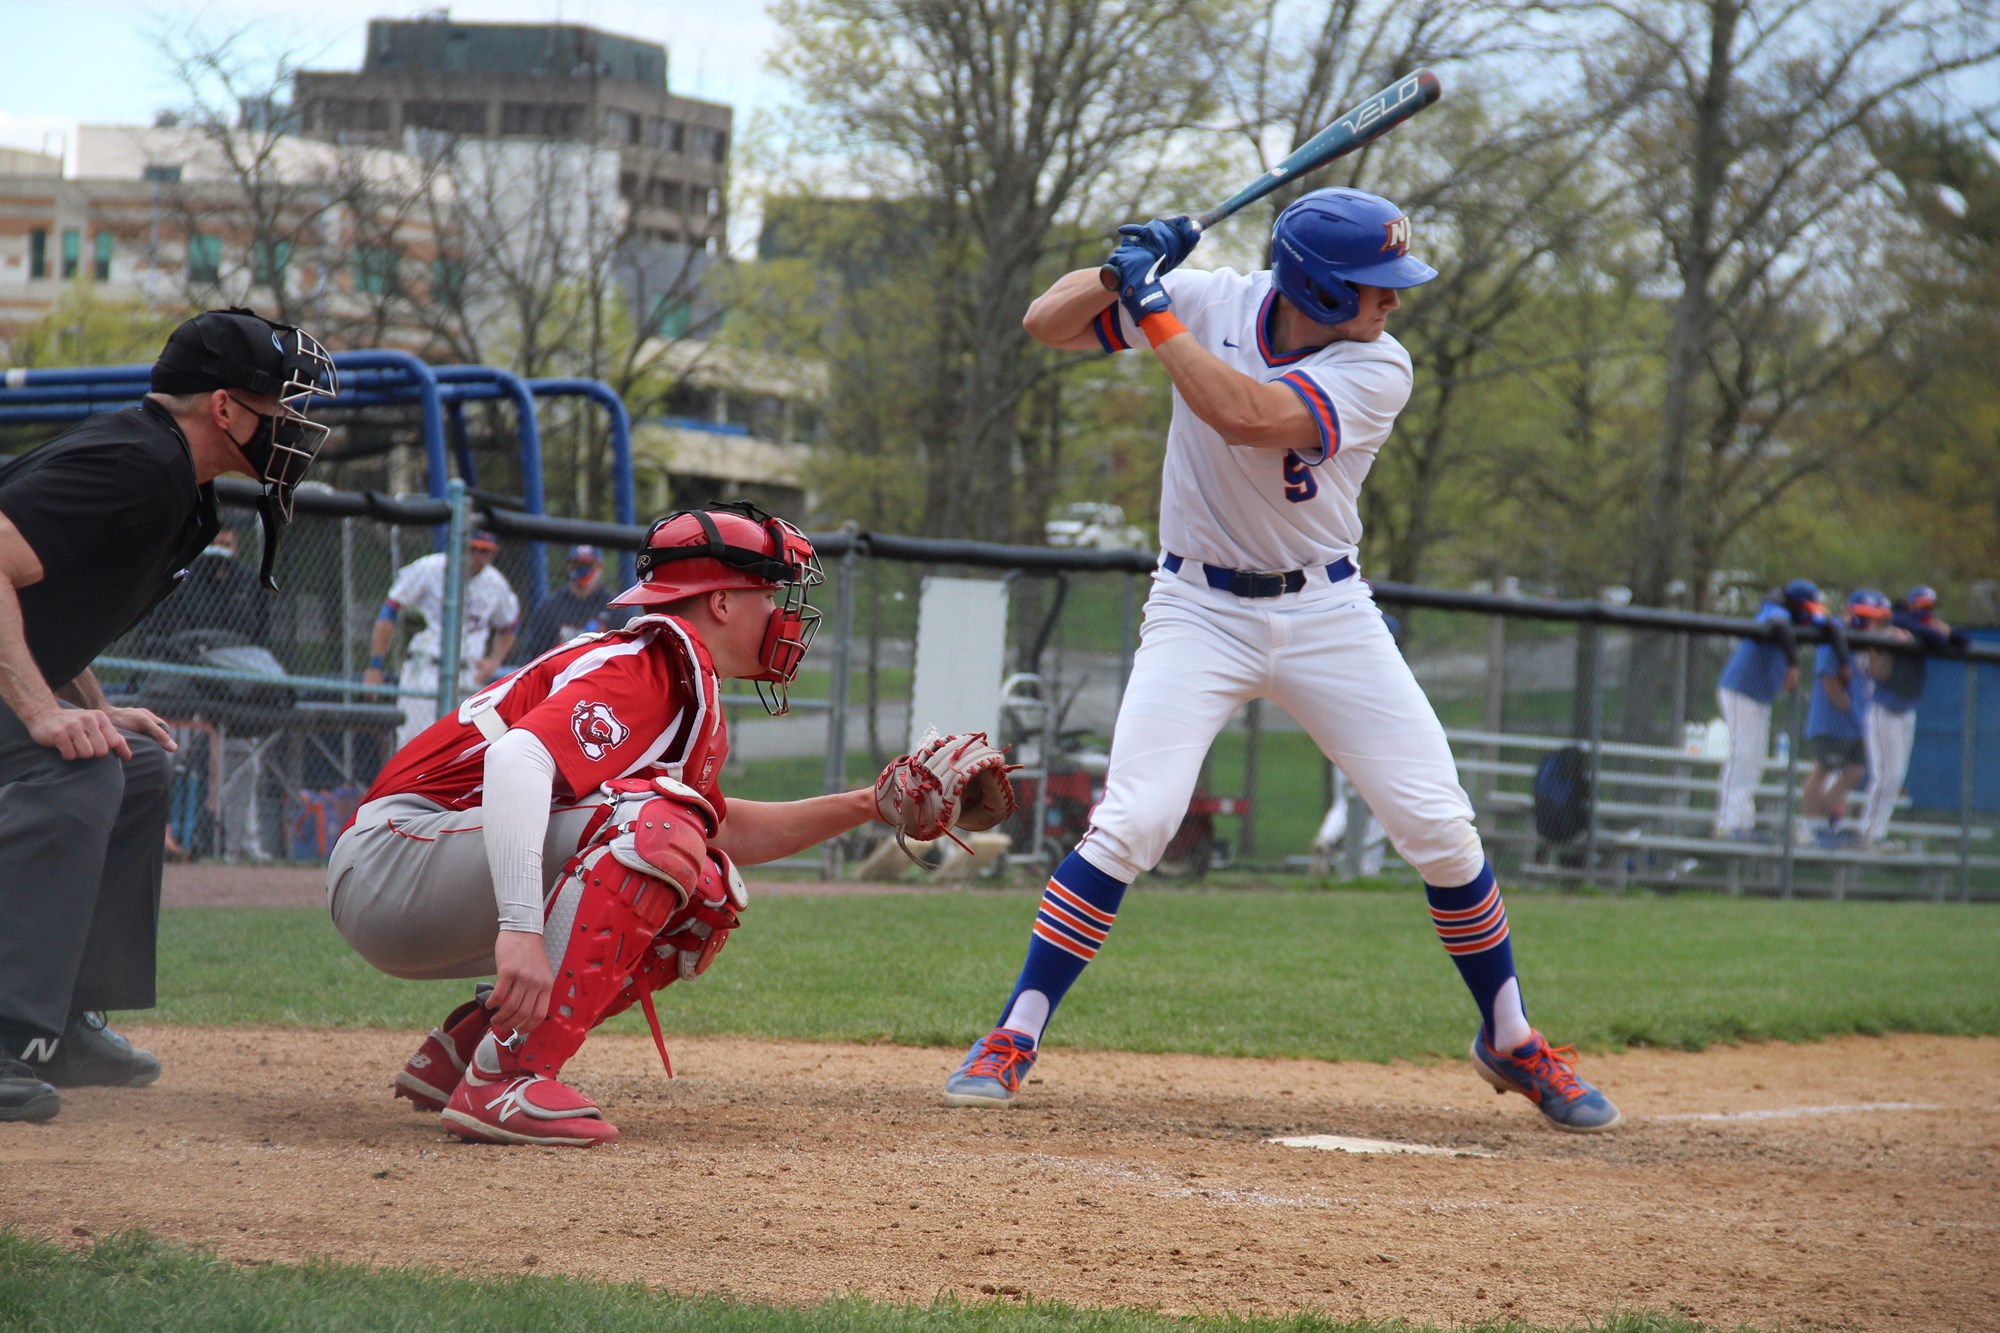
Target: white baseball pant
(1889,738)
(1749,724)
(1322,654)
(420,672)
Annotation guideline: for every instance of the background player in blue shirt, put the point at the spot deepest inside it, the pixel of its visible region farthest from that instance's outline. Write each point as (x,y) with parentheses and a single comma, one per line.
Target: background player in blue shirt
(1833,727)
(1891,725)
(1758,672)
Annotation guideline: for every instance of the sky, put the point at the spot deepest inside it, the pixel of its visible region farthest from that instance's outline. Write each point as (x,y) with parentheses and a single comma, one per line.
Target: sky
(72,62)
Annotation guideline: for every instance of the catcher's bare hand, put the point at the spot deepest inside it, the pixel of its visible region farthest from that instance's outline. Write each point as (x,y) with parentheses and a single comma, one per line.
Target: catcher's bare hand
(522,983)
(957,781)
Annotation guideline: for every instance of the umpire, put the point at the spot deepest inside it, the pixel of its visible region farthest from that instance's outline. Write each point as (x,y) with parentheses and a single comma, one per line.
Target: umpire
(96,528)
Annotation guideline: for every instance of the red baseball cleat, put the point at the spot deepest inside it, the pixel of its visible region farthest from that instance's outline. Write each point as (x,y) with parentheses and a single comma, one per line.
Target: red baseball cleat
(525,1108)
(434,1071)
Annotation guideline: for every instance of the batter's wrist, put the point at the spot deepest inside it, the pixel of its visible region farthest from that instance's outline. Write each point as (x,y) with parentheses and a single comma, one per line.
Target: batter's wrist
(377,663)
(1160,326)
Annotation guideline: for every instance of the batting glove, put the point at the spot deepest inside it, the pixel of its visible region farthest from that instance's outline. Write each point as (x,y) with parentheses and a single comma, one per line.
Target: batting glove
(1172,239)
(1139,270)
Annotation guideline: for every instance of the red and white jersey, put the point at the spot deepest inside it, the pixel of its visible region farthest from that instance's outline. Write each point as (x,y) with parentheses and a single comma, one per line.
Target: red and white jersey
(645,697)
(1269,509)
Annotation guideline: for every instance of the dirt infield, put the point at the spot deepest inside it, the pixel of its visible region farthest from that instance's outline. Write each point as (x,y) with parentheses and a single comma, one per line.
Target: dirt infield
(1762,1184)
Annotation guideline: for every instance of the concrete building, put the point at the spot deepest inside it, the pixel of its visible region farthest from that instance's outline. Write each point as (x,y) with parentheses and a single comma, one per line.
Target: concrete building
(735,427)
(538,81)
(160,214)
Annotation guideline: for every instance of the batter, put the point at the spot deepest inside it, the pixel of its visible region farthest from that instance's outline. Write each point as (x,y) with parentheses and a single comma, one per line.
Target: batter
(1286,384)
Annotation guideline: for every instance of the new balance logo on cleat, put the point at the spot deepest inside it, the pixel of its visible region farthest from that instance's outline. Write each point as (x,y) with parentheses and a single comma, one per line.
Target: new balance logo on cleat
(41,1050)
(525,1108)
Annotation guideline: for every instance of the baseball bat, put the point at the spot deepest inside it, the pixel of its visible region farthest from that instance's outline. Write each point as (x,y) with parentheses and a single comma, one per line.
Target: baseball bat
(1352,129)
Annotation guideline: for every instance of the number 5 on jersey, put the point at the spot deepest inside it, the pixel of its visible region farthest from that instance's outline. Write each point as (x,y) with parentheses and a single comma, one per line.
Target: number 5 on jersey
(1300,483)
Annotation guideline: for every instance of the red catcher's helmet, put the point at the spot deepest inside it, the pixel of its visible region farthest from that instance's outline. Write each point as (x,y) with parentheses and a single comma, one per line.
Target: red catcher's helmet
(737,545)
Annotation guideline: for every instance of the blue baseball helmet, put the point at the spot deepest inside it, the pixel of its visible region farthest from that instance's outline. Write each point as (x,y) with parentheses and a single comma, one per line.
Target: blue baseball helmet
(1327,241)
(1865,604)
(1923,597)
(1802,592)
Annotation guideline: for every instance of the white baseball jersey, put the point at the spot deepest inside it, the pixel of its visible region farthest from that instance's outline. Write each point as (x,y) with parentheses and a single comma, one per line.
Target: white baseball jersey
(490,604)
(1269,509)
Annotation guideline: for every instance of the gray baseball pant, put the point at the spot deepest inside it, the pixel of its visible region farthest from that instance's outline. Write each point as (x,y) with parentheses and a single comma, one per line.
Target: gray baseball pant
(81,842)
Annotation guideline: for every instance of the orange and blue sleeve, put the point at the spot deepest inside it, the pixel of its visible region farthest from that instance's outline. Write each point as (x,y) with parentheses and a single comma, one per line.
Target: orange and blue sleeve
(1110,329)
(1320,405)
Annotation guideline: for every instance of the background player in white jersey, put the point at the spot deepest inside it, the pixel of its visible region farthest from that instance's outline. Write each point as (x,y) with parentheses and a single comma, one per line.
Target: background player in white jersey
(492,613)
(564,829)
(1285,386)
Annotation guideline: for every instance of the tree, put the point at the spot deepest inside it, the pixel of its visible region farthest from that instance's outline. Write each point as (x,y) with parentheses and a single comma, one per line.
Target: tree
(83,328)
(1005,126)
(1753,163)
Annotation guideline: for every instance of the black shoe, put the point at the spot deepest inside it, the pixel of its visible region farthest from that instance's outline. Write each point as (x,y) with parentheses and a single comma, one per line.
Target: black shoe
(24,1096)
(91,1054)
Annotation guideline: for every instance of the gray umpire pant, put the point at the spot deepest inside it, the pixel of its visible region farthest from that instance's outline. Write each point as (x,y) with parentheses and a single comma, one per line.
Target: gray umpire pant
(81,846)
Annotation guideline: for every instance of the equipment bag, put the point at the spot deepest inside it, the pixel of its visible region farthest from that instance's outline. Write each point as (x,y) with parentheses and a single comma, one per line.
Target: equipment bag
(1562,794)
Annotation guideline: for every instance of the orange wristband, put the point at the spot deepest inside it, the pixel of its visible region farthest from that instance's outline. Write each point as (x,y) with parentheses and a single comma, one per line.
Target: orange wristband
(1160,326)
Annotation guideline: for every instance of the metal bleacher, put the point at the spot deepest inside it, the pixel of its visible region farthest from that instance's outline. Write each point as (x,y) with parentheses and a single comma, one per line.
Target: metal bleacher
(1650,826)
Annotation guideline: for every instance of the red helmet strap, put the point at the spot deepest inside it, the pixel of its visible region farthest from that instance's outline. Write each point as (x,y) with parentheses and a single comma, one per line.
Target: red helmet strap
(758,564)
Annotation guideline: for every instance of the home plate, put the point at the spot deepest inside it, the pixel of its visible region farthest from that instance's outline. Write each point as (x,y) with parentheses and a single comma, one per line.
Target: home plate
(1342,1143)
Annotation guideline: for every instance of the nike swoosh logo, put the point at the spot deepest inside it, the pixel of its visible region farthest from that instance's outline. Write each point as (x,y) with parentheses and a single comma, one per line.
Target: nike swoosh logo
(1227,343)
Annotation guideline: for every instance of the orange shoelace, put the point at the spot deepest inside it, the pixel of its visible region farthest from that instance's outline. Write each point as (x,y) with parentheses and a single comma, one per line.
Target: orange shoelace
(997,1061)
(1557,1065)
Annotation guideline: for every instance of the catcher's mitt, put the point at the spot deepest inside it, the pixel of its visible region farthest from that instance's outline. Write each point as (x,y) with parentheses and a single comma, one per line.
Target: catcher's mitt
(948,781)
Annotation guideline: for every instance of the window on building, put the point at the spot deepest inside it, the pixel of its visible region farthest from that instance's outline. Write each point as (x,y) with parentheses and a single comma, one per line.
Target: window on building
(621,128)
(162,173)
(72,251)
(204,258)
(271,259)
(691,401)
(447,278)
(714,203)
(520,118)
(100,258)
(38,253)
(805,423)
(672,317)
(375,269)
(675,140)
(451,117)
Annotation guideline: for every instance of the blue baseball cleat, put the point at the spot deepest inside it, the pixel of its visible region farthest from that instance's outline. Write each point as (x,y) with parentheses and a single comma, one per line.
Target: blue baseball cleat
(1546,1076)
(992,1071)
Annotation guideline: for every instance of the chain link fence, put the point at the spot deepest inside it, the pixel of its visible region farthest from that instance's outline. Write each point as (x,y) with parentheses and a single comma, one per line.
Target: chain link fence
(1614,708)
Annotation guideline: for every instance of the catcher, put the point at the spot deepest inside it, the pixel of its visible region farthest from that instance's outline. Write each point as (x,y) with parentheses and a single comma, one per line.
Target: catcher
(563,830)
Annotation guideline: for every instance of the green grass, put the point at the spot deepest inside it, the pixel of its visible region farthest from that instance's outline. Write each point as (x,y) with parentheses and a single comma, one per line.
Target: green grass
(1324,974)
(132,1281)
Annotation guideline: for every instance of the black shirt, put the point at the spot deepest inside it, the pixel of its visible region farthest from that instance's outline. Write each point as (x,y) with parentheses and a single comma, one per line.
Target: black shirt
(112,509)
(219,593)
(562,615)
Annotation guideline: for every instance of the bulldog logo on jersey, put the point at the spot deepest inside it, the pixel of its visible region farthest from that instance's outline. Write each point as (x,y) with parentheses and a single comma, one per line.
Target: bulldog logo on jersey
(1397,235)
(598,730)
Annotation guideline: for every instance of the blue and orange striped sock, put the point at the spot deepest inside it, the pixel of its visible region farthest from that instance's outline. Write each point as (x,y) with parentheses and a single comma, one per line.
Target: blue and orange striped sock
(1077,910)
(1471,921)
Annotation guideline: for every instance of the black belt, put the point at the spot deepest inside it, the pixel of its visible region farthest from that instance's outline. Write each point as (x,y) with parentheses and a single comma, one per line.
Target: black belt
(1250,583)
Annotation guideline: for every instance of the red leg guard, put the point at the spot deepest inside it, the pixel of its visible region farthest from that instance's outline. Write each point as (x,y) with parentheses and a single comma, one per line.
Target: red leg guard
(617,915)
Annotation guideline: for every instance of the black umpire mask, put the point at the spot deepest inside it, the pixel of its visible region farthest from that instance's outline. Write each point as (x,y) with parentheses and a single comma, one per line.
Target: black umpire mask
(239,349)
